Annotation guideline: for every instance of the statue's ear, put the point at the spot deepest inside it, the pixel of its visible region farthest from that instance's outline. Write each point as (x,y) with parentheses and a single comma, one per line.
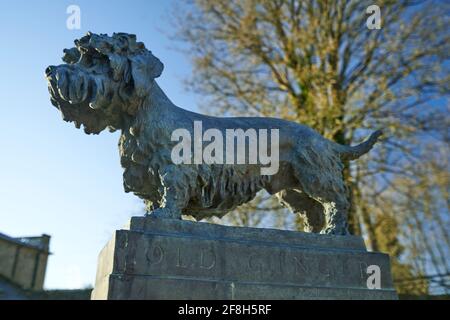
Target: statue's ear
(144,68)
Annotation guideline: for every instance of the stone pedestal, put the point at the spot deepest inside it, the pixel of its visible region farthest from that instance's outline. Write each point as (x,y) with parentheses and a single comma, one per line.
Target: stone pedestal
(171,259)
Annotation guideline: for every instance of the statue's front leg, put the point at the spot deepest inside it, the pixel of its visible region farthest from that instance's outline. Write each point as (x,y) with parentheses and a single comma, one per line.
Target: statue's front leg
(175,194)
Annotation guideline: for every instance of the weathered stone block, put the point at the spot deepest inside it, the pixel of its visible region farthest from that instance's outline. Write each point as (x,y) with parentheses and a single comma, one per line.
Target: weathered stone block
(172,259)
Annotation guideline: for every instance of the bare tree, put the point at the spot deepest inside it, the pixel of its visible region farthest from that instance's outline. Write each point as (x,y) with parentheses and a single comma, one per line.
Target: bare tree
(317,63)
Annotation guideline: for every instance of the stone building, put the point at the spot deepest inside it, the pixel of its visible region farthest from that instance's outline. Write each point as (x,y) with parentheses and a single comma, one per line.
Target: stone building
(23,261)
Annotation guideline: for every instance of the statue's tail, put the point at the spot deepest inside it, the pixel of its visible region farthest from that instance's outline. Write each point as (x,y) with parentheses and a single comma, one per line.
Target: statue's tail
(354,152)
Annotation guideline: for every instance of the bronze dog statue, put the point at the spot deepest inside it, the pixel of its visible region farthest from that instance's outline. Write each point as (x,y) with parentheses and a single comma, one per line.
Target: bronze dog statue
(109,82)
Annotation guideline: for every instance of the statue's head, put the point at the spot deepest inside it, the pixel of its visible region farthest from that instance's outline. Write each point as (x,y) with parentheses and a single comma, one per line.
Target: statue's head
(104,80)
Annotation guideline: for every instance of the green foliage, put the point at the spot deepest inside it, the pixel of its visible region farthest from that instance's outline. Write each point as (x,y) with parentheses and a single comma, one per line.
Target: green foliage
(386,231)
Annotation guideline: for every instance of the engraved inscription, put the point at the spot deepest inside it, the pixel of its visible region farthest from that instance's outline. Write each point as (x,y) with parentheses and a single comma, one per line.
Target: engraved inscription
(362,270)
(300,266)
(155,254)
(207,259)
(253,263)
(180,263)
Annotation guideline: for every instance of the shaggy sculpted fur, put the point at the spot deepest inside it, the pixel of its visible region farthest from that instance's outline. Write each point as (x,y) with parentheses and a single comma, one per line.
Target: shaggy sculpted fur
(109,82)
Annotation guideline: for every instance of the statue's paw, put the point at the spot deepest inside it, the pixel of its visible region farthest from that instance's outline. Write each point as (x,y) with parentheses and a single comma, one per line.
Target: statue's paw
(166,213)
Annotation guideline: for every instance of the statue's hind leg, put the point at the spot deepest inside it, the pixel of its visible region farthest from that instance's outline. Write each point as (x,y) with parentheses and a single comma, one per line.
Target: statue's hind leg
(335,207)
(336,212)
(300,203)
(326,186)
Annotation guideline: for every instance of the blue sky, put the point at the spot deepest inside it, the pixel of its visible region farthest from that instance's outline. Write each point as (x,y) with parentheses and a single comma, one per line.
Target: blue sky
(54,179)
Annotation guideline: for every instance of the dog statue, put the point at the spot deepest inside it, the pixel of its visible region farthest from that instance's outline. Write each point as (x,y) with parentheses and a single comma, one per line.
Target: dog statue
(109,82)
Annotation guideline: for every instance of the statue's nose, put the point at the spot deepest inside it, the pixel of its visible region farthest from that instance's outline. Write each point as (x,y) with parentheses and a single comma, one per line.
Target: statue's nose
(49,70)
